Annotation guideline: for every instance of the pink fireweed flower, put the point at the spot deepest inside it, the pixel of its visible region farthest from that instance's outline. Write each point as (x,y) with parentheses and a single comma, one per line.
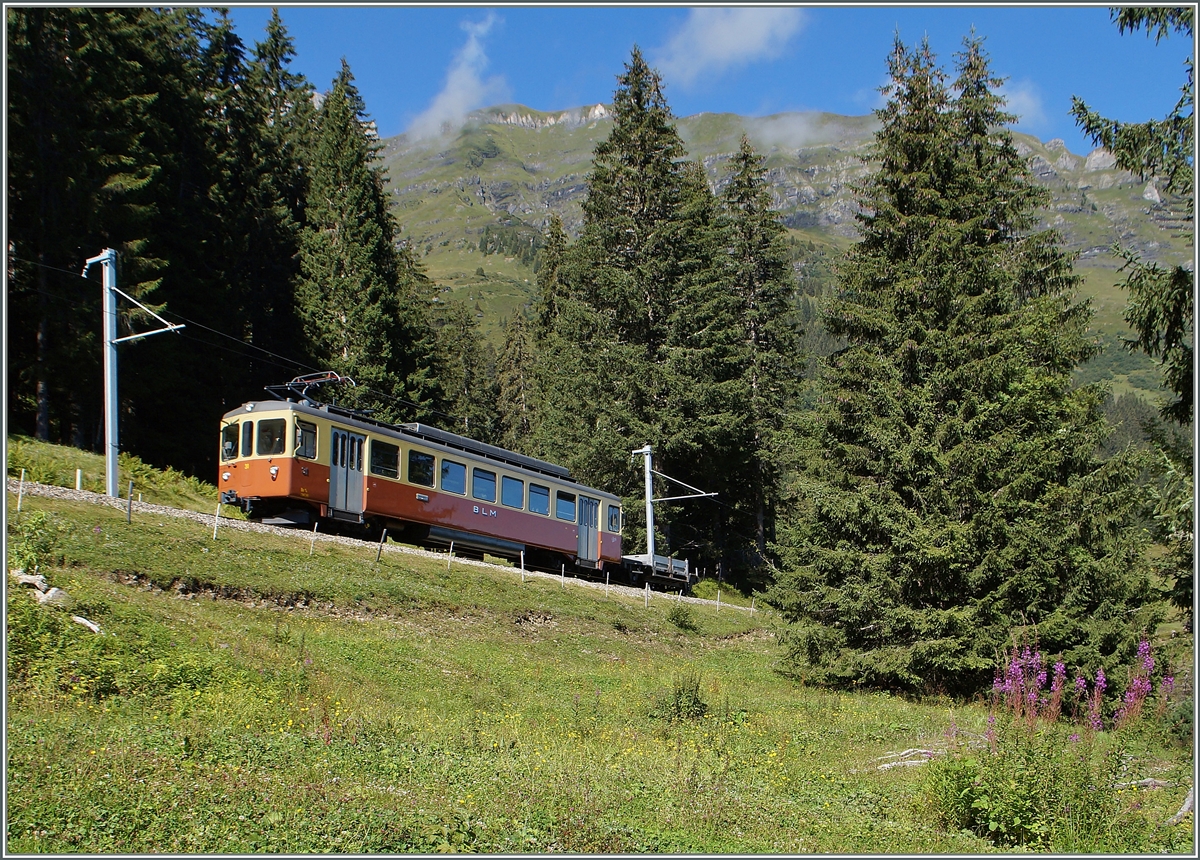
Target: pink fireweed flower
(1060,675)
(1101,682)
(1146,656)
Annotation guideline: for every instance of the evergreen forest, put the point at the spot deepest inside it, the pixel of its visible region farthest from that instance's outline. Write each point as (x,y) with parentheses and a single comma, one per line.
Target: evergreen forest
(906,464)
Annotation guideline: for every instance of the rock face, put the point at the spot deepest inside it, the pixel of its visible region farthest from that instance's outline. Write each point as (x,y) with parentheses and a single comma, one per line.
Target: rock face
(536,120)
(1100,159)
(512,167)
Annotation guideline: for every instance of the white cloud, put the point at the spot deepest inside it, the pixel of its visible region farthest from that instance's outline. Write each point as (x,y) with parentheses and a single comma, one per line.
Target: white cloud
(789,131)
(465,88)
(1024,100)
(713,40)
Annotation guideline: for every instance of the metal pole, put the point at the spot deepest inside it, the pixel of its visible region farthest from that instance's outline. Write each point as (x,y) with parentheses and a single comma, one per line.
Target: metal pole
(379,552)
(646,452)
(108,259)
(129,513)
(216,520)
(21,491)
(312,542)
(79,479)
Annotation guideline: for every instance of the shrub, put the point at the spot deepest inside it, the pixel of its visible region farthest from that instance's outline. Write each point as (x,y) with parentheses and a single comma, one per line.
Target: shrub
(32,540)
(683,702)
(680,614)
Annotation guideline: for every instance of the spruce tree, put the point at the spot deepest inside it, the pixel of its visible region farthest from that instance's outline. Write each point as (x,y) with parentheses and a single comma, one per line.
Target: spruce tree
(466,375)
(643,343)
(1162,307)
(363,300)
(518,395)
(764,284)
(550,258)
(955,493)
(83,174)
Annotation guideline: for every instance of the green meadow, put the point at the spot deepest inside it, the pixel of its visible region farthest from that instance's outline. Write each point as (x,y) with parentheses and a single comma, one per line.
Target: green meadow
(245,695)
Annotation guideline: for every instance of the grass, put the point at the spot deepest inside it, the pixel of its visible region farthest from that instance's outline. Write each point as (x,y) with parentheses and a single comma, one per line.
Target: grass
(328,703)
(55,465)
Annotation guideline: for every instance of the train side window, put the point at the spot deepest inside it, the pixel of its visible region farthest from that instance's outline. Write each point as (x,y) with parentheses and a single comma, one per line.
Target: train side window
(512,492)
(306,440)
(483,485)
(229,441)
(564,506)
(454,477)
(420,468)
(614,519)
(247,438)
(385,459)
(539,499)
(271,433)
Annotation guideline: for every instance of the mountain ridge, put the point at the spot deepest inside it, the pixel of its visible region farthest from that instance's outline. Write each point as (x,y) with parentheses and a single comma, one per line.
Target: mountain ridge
(473,204)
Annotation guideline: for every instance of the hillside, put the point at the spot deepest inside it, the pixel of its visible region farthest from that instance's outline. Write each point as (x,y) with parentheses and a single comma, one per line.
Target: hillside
(255,692)
(494,185)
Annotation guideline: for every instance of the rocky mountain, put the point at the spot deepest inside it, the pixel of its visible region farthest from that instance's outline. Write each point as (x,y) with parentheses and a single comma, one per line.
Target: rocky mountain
(474,204)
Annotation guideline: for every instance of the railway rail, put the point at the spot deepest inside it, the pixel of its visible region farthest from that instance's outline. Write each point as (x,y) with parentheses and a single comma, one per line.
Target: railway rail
(31,488)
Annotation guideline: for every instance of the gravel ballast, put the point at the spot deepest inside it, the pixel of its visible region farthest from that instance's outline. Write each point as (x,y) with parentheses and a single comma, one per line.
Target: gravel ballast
(48,491)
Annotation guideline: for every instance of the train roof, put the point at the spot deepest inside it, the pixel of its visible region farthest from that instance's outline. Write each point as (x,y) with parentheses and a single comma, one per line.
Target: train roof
(415,430)
(453,440)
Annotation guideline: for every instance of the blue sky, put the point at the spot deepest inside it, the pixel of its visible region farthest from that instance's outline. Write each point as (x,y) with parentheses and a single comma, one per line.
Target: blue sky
(419,68)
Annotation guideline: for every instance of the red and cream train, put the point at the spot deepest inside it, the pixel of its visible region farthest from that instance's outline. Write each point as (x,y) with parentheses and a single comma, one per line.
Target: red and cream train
(293,460)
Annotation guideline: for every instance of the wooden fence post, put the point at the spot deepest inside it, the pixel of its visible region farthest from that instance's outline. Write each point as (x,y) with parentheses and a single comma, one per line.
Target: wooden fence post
(379,552)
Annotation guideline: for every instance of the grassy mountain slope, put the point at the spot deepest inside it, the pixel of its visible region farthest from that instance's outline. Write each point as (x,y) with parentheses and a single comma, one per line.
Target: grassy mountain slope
(511,166)
(244,696)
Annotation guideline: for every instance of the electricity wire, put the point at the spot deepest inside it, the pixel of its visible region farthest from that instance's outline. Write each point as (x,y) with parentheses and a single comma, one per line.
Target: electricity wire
(290,363)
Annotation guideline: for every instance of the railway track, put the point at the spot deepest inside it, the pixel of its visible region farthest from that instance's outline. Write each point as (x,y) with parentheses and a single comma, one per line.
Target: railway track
(31,488)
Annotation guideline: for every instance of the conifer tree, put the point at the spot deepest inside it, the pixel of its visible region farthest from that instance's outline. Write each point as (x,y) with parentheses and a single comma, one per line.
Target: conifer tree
(466,376)
(362,299)
(1162,304)
(550,259)
(959,495)
(82,176)
(764,284)
(642,345)
(518,396)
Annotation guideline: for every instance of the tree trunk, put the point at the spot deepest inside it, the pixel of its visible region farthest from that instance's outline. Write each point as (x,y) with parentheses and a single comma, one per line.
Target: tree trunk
(42,424)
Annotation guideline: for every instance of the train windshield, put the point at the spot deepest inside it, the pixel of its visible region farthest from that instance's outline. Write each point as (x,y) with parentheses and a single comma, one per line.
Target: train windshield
(271,433)
(229,441)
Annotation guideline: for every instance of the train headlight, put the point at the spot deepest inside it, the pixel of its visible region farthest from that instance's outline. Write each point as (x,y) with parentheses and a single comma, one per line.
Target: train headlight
(274,472)
(225,476)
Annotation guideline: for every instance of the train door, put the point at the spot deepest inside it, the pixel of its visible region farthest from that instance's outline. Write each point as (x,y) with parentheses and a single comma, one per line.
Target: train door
(346,475)
(589,529)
